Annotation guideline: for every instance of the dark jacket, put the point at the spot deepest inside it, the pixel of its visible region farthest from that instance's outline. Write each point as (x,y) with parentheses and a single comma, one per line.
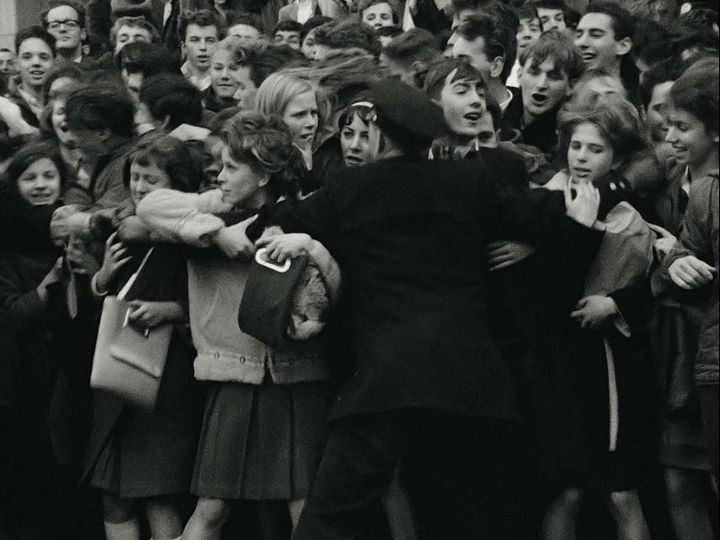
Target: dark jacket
(164,278)
(699,237)
(542,133)
(23,227)
(409,239)
(107,187)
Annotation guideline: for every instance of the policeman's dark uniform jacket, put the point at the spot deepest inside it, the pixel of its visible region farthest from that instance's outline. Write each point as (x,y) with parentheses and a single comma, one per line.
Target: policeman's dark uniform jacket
(409,235)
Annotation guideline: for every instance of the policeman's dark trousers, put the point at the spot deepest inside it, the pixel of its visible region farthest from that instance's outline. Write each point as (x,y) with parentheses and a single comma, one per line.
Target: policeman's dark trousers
(459,472)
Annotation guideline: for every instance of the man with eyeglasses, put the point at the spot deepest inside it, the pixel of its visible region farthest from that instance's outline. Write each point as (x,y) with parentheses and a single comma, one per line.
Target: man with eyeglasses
(65,20)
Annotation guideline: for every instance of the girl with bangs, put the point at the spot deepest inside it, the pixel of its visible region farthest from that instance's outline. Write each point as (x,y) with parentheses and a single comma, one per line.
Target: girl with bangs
(593,409)
(264,407)
(142,459)
(36,495)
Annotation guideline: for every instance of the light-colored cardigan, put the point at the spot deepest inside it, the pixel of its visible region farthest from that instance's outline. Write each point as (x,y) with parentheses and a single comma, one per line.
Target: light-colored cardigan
(215,287)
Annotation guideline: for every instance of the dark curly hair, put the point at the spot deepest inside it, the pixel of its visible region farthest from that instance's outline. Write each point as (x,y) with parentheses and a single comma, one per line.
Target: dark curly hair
(265,144)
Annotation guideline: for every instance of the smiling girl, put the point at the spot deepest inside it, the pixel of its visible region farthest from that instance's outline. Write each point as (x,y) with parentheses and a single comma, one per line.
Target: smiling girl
(594,431)
(29,301)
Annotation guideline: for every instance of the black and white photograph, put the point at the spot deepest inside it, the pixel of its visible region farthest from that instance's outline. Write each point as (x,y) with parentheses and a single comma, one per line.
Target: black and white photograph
(359,269)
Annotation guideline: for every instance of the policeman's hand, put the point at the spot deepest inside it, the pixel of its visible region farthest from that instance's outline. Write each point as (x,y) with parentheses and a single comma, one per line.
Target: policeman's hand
(505,253)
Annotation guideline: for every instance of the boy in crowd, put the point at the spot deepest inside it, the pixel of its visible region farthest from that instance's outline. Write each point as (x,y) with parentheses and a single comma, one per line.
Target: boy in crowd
(378,13)
(604,36)
(287,33)
(7,63)
(247,27)
(693,262)
(100,118)
(36,53)
(408,55)
(551,13)
(141,60)
(528,31)
(199,32)
(131,29)
(693,127)
(167,101)
(549,70)
(65,20)
(654,90)
(489,46)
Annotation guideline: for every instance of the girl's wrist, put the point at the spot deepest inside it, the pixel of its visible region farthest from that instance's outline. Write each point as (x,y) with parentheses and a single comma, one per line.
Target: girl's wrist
(99,284)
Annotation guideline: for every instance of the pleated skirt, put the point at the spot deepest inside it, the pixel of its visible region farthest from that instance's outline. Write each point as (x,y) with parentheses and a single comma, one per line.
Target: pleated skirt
(259,442)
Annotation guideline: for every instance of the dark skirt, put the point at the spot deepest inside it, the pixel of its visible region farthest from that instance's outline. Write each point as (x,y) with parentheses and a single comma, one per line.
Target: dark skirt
(259,442)
(674,335)
(147,453)
(570,418)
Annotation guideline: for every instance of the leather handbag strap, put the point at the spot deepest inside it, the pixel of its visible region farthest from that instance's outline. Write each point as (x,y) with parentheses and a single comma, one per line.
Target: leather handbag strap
(130,282)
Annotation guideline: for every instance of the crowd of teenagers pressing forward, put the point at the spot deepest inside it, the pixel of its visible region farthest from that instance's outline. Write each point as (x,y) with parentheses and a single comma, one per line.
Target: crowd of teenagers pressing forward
(509,212)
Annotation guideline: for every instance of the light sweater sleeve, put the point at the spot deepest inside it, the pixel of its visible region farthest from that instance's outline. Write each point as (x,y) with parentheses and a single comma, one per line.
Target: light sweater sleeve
(175,216)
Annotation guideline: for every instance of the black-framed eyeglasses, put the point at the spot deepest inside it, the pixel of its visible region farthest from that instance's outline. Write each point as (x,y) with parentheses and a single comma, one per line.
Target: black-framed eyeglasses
(68,23)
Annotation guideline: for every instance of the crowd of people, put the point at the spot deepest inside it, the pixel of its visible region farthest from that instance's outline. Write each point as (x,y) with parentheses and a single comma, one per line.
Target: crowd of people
(507,327)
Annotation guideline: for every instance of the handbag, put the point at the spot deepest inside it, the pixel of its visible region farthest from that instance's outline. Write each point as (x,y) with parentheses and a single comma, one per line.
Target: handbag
(267,300)
(129,361)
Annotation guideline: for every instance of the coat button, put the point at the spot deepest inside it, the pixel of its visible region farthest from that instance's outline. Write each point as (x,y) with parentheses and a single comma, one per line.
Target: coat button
(613,186)
(242,359)
(356,373)
(216,355)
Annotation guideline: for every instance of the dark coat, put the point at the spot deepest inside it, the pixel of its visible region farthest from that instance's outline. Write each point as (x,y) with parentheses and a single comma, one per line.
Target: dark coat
(542,133)
(23,227)
(409,238)
(171,430)
(699,237)
(570,395)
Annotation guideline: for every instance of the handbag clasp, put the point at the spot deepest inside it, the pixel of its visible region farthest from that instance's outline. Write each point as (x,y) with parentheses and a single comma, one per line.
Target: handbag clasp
(263,261)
